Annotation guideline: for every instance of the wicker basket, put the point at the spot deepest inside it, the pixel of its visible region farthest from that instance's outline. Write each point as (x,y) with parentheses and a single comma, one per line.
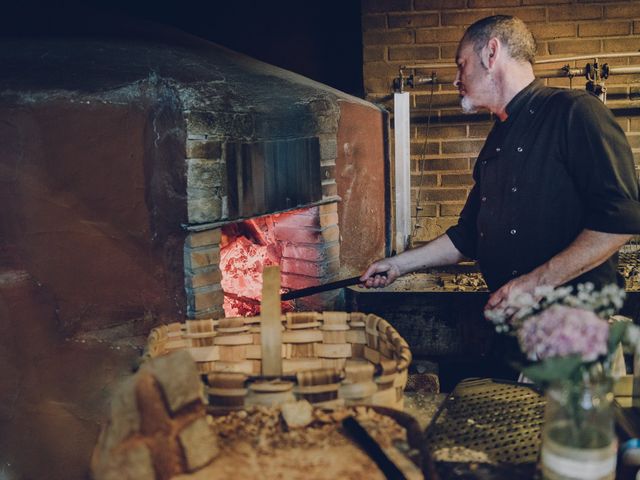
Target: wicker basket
(326,358)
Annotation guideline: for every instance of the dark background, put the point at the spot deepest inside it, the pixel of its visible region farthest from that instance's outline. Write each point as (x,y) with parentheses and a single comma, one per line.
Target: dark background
(321,40)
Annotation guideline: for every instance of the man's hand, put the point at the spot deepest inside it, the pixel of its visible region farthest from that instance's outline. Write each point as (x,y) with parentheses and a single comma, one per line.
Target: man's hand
(523,284)
(380,274)
(586,252)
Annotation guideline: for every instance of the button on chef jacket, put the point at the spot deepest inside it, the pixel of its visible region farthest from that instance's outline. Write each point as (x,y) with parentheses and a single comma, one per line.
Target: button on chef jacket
(560,163)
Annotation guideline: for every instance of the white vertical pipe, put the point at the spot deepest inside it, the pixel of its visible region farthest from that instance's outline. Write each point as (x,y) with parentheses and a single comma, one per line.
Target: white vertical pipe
(402,170)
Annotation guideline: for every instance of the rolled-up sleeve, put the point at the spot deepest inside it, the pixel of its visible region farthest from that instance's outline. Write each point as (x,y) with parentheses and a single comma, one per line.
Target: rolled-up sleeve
(464,235)
(600,160)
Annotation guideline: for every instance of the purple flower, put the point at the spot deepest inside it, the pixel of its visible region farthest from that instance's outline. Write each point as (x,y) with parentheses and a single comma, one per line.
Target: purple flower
(560,331)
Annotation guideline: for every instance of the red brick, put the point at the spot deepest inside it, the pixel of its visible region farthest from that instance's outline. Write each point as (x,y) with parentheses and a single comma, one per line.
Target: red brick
(439,35)
(575,12)
(426,180)
(544,2)
(214,312)
(298,235)
(464,17)
(418,147)
(292,280)
(480,130)
(380,70)
(200,239)
(457,179)
(328,208)
(468,146)
(604,29)
(373,6)
(438,100)
(574,47)
(425,209)
(621,45)
(374,22)
(313,253)
(493,3)
(413,53)
(448,52)
(622,121)
(625,10)
(439,4)
(552,30)
(636,26)
(329,189)
(206,257)
(543,49)
(634,140)
(443,194)
(451,209)
(204,300)
(377,85)
(388,37)
(438,164)
(525,14)
(299,219)
(306,268)
(564,82)
(634,124)
(442,131)
(374,54)
(200,279)
(433,227)
(414,20)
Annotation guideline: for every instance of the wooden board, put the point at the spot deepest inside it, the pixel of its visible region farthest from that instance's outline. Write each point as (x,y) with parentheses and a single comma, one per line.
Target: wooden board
(271,328)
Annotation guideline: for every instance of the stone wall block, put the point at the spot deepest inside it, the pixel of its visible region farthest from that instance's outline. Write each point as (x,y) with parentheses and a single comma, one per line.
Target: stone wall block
(205,238)
(203,298)
(210,149)
(205,173)
(214,312)
(221,124)
(203,277)
(134,463)
(199,444)
(201,257)
(165,432)
(178,377)
(206,209)
(328,148)
(125,419)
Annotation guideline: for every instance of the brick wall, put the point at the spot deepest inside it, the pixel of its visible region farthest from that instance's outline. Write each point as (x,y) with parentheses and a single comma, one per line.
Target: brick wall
(403,32)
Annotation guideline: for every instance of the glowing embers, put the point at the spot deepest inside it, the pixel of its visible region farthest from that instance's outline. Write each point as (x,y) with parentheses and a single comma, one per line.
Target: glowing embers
(245,249)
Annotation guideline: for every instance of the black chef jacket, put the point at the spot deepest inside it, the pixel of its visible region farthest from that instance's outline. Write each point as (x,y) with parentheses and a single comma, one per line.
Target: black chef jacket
(560,163)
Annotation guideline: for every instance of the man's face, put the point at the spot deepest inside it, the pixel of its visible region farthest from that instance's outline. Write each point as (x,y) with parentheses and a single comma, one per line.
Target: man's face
(472,80)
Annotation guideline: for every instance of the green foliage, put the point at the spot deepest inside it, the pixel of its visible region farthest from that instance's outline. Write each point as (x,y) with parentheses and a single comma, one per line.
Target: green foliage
(554,369)
(616,334)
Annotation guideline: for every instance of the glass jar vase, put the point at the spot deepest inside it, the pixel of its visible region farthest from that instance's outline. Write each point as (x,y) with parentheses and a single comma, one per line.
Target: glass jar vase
(578,437)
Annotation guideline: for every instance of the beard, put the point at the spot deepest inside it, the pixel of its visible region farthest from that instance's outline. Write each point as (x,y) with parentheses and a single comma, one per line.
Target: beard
(467,105)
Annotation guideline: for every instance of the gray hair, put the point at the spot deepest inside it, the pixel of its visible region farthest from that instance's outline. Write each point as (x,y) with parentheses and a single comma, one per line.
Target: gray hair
(511,31)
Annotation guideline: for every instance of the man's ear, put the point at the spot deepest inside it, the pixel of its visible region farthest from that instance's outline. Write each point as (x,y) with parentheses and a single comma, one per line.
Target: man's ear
(490,53)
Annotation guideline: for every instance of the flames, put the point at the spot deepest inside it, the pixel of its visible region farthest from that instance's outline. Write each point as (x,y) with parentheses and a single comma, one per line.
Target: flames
(245,249)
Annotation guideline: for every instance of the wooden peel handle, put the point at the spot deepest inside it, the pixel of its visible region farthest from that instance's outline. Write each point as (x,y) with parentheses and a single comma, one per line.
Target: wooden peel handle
(270,324)
(305,292)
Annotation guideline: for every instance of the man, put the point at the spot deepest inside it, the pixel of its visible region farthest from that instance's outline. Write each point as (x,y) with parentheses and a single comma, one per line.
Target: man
(555,192)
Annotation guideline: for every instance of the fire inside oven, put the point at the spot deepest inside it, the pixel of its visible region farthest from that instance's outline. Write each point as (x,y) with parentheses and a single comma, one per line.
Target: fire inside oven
(245,249)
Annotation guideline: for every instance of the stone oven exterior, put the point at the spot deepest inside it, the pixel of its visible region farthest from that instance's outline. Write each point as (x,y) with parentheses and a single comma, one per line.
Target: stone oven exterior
(122,174)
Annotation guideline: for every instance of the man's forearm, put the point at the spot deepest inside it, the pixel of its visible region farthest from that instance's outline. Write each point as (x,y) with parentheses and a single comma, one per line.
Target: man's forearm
(437,253)
(586,252)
